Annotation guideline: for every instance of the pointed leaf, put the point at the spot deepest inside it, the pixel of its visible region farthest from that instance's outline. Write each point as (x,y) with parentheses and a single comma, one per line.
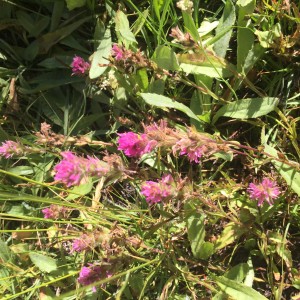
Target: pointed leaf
(44,263)
(247,108)
(100,57)
(237,290)
(165,102)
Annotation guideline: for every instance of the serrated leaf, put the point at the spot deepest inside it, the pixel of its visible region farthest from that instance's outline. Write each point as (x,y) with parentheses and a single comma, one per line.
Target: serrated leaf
(44,263)
(100,57)
(247,108)
(165,102)
(237,290)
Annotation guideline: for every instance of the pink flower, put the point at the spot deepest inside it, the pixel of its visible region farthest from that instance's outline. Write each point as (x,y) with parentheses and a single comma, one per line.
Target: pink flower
(134,145)
(55,212)
(267,190)
(79,66)
(83,243)
(92,273)
(11,148)
(156,192)
(75,170)
(117,52)
(189,148)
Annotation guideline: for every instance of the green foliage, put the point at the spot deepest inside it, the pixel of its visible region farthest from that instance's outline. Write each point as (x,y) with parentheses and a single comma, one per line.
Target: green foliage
(223,75)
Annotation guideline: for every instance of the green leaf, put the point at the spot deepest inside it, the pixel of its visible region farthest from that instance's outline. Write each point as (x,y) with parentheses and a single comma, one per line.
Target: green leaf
(125,35)
(238,272)
(157,5)
(247,108)
(196,232)
(21,170)
(291,175)
(229,235)
(44,263)
(165,58)
(72,4)
(82,190)
(101,56)
(205,63)
(237,290)
(225,25)
(51,38)
(5,253)
(165,102)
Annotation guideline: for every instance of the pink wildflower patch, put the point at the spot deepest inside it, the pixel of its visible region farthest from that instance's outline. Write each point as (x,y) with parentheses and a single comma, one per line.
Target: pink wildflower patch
(79,66)
(267,190)
(156,192)
(10,149)
(134,145)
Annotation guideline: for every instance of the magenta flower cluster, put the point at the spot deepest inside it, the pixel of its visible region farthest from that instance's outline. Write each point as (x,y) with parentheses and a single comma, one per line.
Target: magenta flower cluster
(91,274)
(267,190)
(75,170)
(85,242)
(55,212)
(117,52)
(10,149)
(156,192)
(135,145)
(79,66)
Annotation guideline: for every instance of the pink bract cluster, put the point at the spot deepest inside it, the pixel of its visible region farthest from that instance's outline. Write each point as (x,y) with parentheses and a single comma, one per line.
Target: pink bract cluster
(75,170)
(117,52)
(192,144)
(79,66)
(85,242)
(156,192)
(91,274)
(267,190)
(55,212)
(135,145)
(10,149)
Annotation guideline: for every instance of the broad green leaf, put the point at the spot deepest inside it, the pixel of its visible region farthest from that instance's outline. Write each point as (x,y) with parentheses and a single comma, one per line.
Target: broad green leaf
(206,27)
(238,272)
(226,24)
(205,63)
(71,4)
(165,58)
(100,57)
(291,175)
(141,79)
(125,35)
(190,25)
(165,102)
(48,80)
(268,38)
(237,290)
(21,170)
(196,232)
(51,38)
(229,235)
(44,263)
(81,190)
(57,62)
(247,108)
(5,253)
